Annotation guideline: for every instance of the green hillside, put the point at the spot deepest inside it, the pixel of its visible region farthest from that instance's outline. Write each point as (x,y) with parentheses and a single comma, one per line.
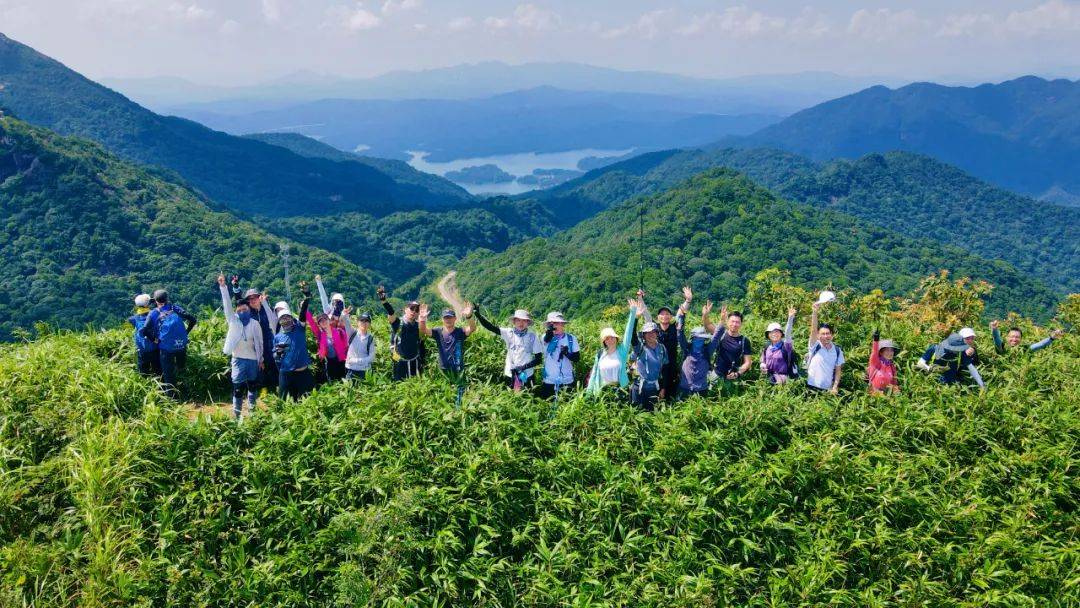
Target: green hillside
(84,232)
(386,495)
(1022,134)
(243,174)
(716,231)
(910,194)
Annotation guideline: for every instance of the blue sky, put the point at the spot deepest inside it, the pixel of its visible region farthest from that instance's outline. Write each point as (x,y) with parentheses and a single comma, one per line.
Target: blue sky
(243,41)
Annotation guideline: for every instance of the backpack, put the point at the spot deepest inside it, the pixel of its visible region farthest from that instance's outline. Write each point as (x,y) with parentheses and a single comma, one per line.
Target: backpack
(717,351)
(817,347)
(792,361)
(172,333)
(142,343)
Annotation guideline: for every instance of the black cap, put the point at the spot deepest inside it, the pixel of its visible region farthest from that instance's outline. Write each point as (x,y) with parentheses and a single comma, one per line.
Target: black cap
(365,317)
(448,312)
(663,308)
(161,296)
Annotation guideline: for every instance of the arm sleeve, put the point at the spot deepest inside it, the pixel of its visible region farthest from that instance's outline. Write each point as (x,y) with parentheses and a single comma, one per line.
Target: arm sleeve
(388,307)
(310,320)
(226,303)
(574,349)
(628,333)
(537,359)
(258,341)
(680,329)
(1041,344)
(188,318)
(999,346)
(322,296)
(875,358)
(488,325)
(974,371)
(790,327)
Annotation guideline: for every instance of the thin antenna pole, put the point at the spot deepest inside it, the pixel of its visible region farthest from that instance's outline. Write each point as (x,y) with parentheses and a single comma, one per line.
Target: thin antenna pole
(641,243)
(288,283)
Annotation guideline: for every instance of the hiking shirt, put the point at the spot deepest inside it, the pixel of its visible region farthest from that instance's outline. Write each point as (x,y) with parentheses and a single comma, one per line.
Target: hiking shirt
(822,364)
(696,355)
(559,369)
(242,340)
(451,345)
(999,345)
(296,356)
(730,351)
(406,338)
(361,352)
(610,368)
(649,362)
(880,373)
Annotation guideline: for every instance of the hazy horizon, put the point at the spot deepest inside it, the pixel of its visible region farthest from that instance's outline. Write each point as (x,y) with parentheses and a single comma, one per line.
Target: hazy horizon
(237,43)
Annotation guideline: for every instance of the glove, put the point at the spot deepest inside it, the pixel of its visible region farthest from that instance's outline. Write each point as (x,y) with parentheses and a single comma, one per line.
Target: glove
(380,291)
(877,335)
(564,350)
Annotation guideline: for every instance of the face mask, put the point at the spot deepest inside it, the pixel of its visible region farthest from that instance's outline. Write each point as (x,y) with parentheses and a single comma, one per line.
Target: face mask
(244,317)
(697,346)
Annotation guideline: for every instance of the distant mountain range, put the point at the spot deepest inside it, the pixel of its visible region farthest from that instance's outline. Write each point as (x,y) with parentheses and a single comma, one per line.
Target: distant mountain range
(540,120)
(769,93)
(1023,134)
(243,174)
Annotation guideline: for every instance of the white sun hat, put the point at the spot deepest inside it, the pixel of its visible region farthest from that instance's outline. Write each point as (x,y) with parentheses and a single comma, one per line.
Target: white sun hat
(826,296)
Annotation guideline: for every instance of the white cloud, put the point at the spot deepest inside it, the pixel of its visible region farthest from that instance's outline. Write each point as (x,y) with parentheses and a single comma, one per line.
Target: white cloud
(1054,15)
(496,23)
(885,24)
(420,27)
(394,6)
(229,27)
(735,21)
(532,17)
(964,25)
(190,12)
(646,26)
(355,18)
(271,11)
(460,23)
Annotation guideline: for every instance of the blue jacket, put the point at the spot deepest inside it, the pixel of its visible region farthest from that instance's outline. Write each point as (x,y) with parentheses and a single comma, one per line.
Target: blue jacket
(296,354)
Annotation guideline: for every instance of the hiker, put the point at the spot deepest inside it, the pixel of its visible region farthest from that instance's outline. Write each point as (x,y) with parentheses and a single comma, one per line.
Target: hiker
(331,337)
(561,352)
(263,314)
(825,359)
(524,351)
(168,326)
(406,348)
(957,353)
(649,357)
(734,355)
(450,339)
(1014,336)
(881,371)
(147,356)
(667,334)
(244,344)
(778,358)
(697,353)
(609,367)
(361,354)
(290,352)
(335,300)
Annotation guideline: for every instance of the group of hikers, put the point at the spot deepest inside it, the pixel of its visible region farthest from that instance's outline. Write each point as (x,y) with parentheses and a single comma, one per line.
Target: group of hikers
(653,360)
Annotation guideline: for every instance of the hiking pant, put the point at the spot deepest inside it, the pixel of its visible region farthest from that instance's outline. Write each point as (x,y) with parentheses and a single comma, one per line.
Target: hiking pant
(149,362)
(525,386)
(547,391)
(359,374)
(685,393)
(245,381)
(295,384)
(268,375)
(172,364)
(333,370)
(645,395)
(406,368)
(669,381)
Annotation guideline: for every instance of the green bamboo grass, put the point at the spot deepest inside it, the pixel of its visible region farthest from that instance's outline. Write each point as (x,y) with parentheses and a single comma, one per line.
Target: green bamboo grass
(384,494)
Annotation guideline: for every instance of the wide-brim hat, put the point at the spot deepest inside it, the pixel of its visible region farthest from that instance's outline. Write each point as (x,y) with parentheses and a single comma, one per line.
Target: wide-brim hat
(608,332)
(955,343)
(967,332)
(285,312)
(556,317)
(281,305)
(826,296)
(522,314)
(699,332)
(337,296)
(648,328)
(886,344)
(251,292)
(773,327)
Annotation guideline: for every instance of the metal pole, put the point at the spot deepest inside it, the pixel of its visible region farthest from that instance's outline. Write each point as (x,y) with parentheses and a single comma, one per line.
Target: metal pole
(288,283)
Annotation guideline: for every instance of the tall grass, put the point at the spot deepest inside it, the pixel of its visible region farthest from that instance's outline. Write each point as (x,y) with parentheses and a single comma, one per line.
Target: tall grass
(384,494)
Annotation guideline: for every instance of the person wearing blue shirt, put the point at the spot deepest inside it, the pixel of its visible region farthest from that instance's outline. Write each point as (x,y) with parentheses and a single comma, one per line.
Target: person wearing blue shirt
(290,352)
(168,326)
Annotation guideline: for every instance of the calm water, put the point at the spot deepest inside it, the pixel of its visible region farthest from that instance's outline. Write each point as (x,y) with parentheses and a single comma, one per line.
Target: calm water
(515,164)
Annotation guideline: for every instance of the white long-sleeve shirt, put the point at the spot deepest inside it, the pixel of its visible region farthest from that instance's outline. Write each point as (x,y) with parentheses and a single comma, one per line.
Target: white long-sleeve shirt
(361,352)
(242,341)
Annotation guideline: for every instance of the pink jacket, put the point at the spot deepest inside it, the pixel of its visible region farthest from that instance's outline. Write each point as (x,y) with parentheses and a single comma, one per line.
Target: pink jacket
(341,338)
(881,373)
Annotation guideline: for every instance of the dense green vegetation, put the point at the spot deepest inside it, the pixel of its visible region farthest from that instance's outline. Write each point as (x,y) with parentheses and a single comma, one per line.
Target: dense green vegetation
(83,232)
(386,495)
(716,231)
(242,174)
(907,193)
(1023,134)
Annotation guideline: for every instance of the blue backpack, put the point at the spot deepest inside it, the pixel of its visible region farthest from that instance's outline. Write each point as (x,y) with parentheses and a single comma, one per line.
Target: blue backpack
(142,343)
(172,333)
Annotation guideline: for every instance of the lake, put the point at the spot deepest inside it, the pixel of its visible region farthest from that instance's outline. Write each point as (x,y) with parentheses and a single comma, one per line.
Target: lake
(518,165)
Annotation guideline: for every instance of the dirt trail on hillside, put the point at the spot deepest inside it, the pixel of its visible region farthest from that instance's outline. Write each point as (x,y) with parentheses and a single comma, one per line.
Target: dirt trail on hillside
(448,290)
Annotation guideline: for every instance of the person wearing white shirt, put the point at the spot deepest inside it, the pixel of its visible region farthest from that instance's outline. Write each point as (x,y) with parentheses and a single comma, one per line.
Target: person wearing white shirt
(824,360)
(244,343)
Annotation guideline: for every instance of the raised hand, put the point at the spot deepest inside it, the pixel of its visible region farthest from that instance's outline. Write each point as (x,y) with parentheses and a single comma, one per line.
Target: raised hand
(632,305)
(424,310)
(995,324)
(687,293)
(723,312)
(318,277)
(467,309)
(380,291)
(707,308)
(1057,333)
(816,306)
(221,279)
(347,310)
(791,311)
